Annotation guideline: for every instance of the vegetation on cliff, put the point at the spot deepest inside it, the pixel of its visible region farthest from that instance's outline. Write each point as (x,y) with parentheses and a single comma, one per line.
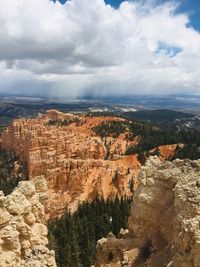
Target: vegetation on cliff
(74,236)
(65,122)
(151,137)
(190,148)
(110,128)
(188,151)
(9,176)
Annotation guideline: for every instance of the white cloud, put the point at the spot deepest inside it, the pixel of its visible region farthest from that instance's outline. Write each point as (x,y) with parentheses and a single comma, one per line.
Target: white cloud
(89,46)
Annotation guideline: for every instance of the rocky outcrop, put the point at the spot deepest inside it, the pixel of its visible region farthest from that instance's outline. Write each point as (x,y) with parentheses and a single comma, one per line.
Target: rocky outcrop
(76,163)
(23,234)
(116,252)
(167,152)
(164,224)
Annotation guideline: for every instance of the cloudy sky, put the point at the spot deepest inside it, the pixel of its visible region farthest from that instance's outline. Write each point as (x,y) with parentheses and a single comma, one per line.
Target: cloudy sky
(94,47)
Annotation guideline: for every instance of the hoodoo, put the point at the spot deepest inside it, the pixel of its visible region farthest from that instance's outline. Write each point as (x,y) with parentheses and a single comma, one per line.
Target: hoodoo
(77,163)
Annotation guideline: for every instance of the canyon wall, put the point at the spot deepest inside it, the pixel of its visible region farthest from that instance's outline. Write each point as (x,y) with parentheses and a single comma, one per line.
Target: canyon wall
(77,164)
(164,225)
(23,234)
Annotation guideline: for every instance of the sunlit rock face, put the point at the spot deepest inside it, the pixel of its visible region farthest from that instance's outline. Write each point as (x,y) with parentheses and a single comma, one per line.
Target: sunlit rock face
(78,164)
(164,225)
(23,234)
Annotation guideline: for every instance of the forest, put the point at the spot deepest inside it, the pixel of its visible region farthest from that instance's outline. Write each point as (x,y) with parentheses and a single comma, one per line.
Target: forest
(65,122)
(73,236)
(110,128)
(151,137)
(188,151)
(158,116)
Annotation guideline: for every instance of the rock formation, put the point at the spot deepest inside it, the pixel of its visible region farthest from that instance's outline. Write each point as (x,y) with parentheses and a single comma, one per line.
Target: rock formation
(77,163)
(23,234)
(164,225)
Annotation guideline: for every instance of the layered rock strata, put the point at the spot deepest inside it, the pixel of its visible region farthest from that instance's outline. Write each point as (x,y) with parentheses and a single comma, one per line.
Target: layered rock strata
(23,234)
(77,164)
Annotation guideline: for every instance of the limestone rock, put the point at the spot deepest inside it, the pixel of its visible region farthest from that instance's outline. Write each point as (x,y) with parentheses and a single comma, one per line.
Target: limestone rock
(29,218)
(113,252)
(4,216)
(27,189)
(40,256)
(17,204)
(164,224)
(23,236)
(40,184)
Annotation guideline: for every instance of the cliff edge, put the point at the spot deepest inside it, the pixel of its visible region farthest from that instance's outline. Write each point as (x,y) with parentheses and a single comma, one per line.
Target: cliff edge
(164,225)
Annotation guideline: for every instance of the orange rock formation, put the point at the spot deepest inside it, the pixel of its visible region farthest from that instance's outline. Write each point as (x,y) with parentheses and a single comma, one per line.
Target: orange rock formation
(166,152)
(73,159)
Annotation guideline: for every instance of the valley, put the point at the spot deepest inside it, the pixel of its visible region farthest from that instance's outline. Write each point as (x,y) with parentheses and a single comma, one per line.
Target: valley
(90,162)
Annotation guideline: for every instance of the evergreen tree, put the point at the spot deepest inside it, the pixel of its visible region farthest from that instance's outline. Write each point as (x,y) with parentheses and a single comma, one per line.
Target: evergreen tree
(74,236)
(131,185)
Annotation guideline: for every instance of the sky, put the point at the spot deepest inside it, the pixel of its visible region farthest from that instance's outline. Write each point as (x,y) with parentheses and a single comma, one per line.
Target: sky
(80,47)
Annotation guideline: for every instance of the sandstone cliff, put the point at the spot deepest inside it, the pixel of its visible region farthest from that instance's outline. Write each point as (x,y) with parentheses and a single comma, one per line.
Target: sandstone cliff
(164,225)
(23,234)
(77,163)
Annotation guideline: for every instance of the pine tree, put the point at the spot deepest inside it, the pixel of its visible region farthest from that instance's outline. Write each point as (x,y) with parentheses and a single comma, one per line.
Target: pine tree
(131,185)
(74,236)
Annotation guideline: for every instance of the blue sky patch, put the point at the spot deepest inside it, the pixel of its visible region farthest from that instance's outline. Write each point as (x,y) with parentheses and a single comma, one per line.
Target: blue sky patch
(166,49)
(114,3)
